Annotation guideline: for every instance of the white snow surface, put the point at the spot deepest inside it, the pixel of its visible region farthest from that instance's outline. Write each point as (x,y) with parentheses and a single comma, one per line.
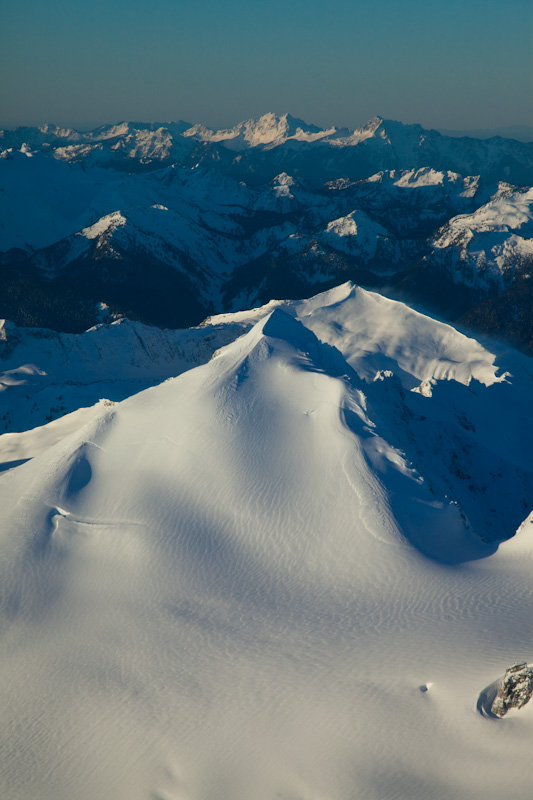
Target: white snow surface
(374,333)
(492,244)
(234,584)
(44,374)
(354,233)
(16,448)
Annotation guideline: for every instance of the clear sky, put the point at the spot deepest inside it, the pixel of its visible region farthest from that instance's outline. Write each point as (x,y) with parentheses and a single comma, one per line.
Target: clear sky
(444,63)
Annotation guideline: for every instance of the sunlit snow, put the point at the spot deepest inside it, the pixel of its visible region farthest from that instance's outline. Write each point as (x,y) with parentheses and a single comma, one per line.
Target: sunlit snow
(244,583)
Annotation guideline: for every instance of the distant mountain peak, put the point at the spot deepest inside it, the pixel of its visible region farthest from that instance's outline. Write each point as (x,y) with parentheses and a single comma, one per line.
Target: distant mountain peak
(373,124)
(268,130)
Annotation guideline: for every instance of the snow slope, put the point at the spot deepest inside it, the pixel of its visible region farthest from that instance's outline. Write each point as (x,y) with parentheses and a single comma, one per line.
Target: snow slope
(44,374)
(216,590)
(42,200)
(360,236)
(376,333)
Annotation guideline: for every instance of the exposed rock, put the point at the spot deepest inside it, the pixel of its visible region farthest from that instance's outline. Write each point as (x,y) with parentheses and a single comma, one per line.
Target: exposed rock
(515,690)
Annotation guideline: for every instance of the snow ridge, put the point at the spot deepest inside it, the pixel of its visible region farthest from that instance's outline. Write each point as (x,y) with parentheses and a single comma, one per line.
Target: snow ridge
(225,573)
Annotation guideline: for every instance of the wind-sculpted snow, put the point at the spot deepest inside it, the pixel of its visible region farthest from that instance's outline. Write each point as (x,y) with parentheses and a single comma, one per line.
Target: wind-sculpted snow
(376,333)
(456,428)
(216,589)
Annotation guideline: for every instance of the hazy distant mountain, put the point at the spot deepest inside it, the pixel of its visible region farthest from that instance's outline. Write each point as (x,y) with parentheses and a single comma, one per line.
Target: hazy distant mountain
(266,132)
(523,133)
(258,150)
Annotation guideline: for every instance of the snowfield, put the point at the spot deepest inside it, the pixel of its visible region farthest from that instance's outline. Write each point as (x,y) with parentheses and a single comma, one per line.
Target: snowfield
(262,578)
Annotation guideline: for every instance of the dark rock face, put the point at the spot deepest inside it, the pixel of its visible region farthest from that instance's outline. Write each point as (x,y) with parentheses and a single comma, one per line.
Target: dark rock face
(515,689)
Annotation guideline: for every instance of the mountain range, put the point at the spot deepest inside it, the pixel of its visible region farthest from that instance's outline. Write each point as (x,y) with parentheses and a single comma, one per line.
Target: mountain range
(169,223)
(524,133)
(265,512)
(258,150)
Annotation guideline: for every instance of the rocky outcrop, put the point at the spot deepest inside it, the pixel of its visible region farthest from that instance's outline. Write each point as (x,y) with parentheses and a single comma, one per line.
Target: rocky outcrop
(515,690)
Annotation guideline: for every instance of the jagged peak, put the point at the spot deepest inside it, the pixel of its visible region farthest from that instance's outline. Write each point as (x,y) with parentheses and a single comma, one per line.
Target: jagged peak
(373,124)
(285,121)
(284,179)
(384,129)
(268,130)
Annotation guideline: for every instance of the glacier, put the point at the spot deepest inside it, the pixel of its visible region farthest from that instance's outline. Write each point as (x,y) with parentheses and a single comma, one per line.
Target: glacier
(234,583)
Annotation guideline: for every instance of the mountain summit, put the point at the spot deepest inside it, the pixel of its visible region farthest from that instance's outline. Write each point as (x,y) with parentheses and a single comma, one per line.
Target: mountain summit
(220,587)
(268,131)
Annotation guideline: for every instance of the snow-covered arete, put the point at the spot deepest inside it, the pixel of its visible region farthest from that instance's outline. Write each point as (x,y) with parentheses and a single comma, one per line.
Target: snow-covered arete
(220,588)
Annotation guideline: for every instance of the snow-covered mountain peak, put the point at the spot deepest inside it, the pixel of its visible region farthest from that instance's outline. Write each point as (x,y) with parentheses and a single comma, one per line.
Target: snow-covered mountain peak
(371,126)
(284,180)
(489,246)
(376,333)
(267,131)
(49,129)
(233,562)
(279,331)
(425,176)
(105,224)
(366,131)
(356,232)
(284,187)
(270,130)
(386,133)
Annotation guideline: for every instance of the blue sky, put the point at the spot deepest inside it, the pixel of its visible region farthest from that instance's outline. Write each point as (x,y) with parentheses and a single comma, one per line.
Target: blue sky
(454,64)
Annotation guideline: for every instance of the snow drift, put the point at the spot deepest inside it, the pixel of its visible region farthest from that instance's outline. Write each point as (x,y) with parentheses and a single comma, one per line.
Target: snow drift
(218,588)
